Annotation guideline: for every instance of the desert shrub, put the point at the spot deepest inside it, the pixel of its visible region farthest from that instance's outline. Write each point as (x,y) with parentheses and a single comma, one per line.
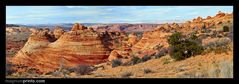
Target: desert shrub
(217,46)
(9,69)
(181,48)
(32,71)
(60,72)
(72,69)
(135,60)
(139,34)
(116,62)
(157,47)
(146,71)
(56,73)
(166,61)
(146,58)
(161,53)
(84,69)
(126,74)
(80,69)
(193,37)
(225,29)
(158,55)
(116,41)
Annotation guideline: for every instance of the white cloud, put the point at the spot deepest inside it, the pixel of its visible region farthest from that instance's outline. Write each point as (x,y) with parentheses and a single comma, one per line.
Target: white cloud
(32,15)
(13,17)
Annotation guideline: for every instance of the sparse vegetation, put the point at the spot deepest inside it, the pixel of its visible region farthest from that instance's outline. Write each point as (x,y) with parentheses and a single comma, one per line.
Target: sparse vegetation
(146,71)
(135,60)
(225,29)
(166,61)
(83,69)
(218,46)
(146,58)
(116,63)
(126,74)
(161,53)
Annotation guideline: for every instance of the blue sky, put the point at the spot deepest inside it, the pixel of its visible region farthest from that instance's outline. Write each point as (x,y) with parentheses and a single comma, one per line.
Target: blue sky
(108,14)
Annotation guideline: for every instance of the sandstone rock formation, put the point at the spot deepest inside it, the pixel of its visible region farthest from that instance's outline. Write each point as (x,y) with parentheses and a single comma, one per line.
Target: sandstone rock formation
(150,40)
(220,14)
(75,47)
(16,37)
(132,39)
(208,17)
(216,21)
(58,31)
(114,55)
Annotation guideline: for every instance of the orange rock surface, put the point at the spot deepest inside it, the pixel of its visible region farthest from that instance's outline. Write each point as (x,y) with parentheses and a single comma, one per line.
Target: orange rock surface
(71,49)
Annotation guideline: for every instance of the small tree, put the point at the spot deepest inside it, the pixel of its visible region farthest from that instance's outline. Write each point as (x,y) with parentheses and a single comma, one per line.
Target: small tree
(175,38)
(181,48)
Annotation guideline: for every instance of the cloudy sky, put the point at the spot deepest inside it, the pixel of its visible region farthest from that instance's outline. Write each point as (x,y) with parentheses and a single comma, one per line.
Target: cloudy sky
(108,14)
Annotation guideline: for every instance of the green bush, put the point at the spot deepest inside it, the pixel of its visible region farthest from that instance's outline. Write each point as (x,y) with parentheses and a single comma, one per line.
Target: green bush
(175,38)
(116,63)
(225,29)
(135,60)
(146,58)
(181,47)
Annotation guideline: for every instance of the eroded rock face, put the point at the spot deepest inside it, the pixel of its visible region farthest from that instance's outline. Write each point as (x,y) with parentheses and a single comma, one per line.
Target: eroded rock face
(132,39)
(16,37)
(71,49)
(150,40)
(114,55)
(58,31)
(156,41)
